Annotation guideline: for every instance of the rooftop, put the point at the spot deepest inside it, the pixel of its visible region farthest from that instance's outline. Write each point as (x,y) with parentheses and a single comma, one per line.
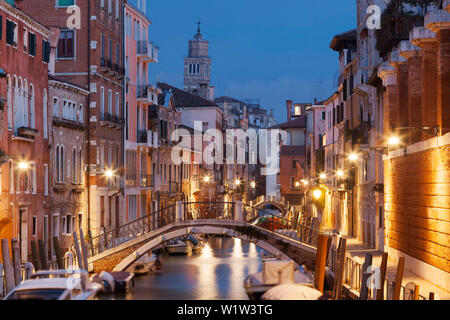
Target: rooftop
(182,99)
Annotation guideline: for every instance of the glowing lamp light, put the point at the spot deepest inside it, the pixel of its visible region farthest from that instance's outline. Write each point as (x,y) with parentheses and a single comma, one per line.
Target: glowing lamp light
(340,173)
(253,184)
(394,141)
(323,176)
(23,165)
(305,182)
(237,182)
(317,194)
(109,173)
(297,184)
(206,179)
(353,157)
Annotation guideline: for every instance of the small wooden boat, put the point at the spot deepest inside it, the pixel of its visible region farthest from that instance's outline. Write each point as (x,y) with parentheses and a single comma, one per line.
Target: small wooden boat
(274,273)
(145,264)
(56,285)
(196,241)
(115,281)
(178,247)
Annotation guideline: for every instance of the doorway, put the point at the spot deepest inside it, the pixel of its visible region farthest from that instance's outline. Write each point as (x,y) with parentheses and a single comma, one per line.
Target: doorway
(23,235)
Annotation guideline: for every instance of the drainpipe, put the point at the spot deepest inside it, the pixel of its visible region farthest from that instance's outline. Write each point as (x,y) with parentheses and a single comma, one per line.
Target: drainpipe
(88,115)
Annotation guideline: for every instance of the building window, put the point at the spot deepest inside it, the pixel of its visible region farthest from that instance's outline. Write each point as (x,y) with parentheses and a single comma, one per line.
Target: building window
(32,44)
(44,114)
(102,101)
(66,44)
(45,180)
(117,104)
(323,115)
(11,33)
(34,226)
(64,225)
(45,51)
(109,101)
(74,166)
(65,3)
(33,178)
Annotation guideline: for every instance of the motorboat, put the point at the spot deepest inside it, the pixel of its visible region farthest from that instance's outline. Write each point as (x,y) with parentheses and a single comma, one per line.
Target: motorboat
(118,282)
(56,285)
(196,242)
(178,247)
(276,272)
(145,264)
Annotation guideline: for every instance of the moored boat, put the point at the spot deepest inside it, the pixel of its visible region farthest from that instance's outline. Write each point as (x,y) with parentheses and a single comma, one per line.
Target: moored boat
(178,247)
(56,285)
(274,273)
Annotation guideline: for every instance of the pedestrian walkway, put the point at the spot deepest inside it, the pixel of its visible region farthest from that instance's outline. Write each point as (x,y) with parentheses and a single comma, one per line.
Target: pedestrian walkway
(358,250)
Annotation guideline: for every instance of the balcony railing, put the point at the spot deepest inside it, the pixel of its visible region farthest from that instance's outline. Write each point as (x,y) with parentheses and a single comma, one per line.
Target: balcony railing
(142,136)
(174,186)
(142,91)
(148,50)
(130,179)
(112,118)
(147,181)
(360,134)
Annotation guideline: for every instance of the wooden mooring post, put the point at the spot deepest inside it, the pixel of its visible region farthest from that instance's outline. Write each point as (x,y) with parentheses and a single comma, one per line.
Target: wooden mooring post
(35,256)
(399,278)
(77,250)
(58,253)
(43,255)
(7,264)
(84,251)
(364,293)
(339,276)
(321,260)
(383,268)
(15,247)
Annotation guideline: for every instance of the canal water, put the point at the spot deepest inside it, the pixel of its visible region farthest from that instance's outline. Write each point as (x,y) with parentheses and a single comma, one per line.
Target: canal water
(216,273)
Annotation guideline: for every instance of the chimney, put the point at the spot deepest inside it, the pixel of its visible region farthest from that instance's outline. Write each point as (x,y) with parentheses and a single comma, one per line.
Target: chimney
(289,109)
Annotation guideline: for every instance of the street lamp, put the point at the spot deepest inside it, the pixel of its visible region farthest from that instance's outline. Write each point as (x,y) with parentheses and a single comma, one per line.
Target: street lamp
(323,176)
(340,173)
(353,156)
(317,193)
(305,182)
(23,165)
(109,173)
(253,184)
(206,179)
(393,141)
(237,182)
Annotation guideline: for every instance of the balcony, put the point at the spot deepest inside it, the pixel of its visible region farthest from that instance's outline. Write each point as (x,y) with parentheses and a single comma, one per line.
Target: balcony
(106,65)
(25,134)
(152,139)
(147,51)
(68,123)
(360,134)
(147,181)
(142,136)
(174,186)
(142,91)
(130,179)
(111,120)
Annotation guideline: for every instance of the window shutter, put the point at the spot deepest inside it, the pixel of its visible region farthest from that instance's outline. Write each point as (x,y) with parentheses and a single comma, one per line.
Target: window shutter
(45,51)
(31,44)
(1,27)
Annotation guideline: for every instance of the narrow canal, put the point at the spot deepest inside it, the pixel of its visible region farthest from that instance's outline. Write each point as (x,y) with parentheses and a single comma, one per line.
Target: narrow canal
(216,273)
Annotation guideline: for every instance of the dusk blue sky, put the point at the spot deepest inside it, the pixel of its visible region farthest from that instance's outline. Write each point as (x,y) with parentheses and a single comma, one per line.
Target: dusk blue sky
(272,50)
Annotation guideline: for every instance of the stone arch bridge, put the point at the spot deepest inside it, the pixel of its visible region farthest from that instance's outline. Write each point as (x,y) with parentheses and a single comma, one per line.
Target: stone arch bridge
(117,249)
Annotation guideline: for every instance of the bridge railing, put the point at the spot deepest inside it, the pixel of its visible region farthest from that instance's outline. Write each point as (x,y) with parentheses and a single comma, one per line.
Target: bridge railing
(112,238)
(209,210)
(302,227)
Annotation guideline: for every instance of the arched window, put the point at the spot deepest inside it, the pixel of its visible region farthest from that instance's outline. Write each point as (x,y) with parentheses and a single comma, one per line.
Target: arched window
(61,164)
(9,101)
(32,108)
(17,105)
(57,165)
(44,115)
(25,102)
(74,166)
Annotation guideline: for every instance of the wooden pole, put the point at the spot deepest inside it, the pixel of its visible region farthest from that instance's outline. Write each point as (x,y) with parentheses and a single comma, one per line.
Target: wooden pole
(44,262)
(431,296)
(15,247)
(383,267)
(416,292)
(91,243)
(321,261)
(83,250)
(7,264)
(340,268)
(77,250)
(399,278)
(364,294)
(58,253)
(35,255)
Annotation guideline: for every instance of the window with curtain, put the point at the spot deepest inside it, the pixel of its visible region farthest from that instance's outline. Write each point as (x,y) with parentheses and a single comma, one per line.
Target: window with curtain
(66,44)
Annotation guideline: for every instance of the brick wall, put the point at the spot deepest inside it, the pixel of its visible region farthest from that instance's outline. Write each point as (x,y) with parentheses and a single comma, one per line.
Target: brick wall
(417,203)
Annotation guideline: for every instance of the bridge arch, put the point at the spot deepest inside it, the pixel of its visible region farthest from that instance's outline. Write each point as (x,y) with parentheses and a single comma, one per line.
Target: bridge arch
(120,258)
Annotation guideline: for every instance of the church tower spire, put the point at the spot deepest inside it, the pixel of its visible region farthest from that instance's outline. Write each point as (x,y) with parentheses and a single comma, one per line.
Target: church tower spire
(197,67)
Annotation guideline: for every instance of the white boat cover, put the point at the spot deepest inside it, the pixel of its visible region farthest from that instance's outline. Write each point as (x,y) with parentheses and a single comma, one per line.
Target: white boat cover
(278,272)
(292,292)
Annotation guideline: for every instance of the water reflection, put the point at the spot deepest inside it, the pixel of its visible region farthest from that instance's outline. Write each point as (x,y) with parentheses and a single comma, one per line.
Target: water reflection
(217,273)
